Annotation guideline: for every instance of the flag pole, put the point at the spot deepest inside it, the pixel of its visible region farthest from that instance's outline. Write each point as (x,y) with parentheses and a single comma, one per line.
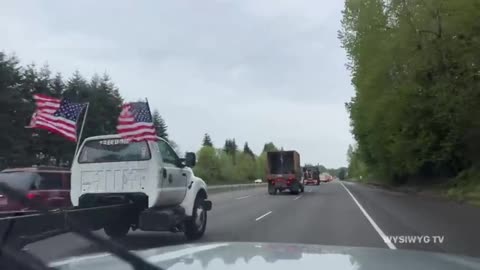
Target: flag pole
(150,112)
(81,130)
(148,107)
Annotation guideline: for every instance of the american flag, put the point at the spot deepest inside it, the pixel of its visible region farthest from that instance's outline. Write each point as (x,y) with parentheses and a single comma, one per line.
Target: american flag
(57,116)
(135,122)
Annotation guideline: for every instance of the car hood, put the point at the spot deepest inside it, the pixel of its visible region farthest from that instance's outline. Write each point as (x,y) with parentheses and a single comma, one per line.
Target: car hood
(241,256)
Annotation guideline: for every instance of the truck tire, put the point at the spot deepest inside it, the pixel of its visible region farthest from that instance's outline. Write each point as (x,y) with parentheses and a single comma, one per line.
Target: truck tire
(196,225)
(295,189)
(117,230)
(271,190)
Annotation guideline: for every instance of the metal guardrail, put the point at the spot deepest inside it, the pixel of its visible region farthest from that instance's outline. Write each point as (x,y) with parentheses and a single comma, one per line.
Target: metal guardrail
(226,188)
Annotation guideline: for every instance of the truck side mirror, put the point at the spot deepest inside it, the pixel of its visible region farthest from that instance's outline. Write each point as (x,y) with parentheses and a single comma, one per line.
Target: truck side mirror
(190,159)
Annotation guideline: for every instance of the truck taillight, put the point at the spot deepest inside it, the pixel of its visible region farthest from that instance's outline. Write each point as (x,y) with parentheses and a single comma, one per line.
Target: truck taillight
(31,196)
(34,196)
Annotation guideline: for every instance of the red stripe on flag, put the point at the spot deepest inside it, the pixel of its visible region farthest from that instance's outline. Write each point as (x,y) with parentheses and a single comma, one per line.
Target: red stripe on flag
(44,98)
(58,123)
(49,127)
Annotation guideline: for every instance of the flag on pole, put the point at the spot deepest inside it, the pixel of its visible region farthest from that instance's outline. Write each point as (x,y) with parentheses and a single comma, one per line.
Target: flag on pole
(135,122)
(58,116)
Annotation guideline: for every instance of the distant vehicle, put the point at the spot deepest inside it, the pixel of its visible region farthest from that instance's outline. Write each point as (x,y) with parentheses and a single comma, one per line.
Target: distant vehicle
(284,172)
(258,181)
(325,177)
(311,176)
(49,185)
(166,193)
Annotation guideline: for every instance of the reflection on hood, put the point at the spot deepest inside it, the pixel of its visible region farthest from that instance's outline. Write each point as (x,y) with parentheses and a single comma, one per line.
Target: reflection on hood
(261,256)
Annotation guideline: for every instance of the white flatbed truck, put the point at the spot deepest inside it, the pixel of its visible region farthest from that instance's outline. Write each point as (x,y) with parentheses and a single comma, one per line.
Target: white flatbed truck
(160,187)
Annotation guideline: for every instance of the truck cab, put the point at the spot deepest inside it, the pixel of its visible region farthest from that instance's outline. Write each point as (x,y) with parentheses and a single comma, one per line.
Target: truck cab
(148,174)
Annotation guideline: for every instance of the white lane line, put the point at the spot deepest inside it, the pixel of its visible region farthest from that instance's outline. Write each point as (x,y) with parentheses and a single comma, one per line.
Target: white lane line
(370,219)
(298,197)
(264,215)
(243,197)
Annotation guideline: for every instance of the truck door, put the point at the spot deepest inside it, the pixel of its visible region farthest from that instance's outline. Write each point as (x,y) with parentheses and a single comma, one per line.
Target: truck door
(174,182)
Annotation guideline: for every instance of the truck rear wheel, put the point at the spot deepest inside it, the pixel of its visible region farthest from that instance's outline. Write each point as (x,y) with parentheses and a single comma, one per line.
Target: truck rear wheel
(196,225)
(271,189)
(295,189)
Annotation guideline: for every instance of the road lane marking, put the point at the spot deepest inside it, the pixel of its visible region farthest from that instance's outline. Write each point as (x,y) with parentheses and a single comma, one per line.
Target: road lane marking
(370,219)
(298,197)
(243,197)
(264,215)
(78,259)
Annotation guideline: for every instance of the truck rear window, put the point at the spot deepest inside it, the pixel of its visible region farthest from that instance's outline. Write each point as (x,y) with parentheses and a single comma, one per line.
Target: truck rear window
(21,181)
(113,150)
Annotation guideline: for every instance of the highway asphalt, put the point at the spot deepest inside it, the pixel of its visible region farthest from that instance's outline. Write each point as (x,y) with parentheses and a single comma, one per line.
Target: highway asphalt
(335,213)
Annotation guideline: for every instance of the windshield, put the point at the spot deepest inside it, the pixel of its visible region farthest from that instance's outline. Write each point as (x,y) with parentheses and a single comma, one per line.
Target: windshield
(33,180)
(113,150)
(335,123)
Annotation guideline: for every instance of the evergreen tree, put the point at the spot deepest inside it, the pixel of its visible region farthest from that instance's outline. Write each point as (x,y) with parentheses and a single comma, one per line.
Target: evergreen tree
(77,87)
(13,114)
(57,86)
(269,147)
(207,141)
(248,151)
(230,147)
(160,125)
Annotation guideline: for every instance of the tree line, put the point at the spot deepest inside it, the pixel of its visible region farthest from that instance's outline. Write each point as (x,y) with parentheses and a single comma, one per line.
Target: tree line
(415,65)
(229,164)
(20,146)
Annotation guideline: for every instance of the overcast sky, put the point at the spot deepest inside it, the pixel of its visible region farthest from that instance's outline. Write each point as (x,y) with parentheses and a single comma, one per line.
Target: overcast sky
(253,70)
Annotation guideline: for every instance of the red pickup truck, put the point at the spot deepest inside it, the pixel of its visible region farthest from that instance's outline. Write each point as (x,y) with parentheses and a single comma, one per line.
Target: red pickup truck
(50,185)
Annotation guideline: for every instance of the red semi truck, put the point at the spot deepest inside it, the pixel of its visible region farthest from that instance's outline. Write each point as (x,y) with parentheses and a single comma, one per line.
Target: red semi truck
(284,172)
(311,175)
